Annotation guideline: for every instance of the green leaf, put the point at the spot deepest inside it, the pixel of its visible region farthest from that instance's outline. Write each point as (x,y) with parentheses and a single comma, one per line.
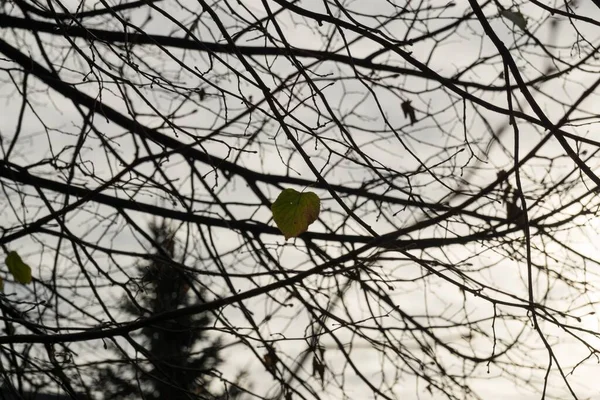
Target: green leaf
(293,211)
(515,17)
(16,266)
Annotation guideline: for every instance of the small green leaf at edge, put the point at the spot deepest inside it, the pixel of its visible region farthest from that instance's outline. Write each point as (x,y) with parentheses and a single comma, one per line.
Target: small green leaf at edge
(515,17)
(16,266)
(293,211)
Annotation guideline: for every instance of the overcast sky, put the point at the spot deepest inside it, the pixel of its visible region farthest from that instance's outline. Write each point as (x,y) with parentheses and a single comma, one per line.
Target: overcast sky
(369,119)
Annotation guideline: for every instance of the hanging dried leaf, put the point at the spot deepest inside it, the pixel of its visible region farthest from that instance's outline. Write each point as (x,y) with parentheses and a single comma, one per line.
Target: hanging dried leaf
(318,368)
(10,329)
(514,213)
(270,359)
(409,111)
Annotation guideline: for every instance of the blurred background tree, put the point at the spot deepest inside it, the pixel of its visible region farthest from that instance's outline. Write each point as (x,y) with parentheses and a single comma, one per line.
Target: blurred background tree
(181,358)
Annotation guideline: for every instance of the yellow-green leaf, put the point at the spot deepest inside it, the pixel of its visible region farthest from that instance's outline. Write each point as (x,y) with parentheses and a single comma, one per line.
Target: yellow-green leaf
(515,17)
(16,266)
(293,211)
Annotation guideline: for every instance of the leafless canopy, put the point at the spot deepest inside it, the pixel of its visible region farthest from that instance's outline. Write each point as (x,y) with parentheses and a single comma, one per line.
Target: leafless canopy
(452,144)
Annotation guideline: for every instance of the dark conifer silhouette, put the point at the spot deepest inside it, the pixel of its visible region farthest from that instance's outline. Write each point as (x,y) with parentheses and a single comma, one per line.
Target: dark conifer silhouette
(180,355)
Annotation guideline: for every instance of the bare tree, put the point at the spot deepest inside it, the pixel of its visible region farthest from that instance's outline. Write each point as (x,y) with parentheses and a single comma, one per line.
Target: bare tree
(451,145)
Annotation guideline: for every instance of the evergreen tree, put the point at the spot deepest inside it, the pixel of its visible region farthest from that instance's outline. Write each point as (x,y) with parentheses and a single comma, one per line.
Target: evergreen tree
(177,369)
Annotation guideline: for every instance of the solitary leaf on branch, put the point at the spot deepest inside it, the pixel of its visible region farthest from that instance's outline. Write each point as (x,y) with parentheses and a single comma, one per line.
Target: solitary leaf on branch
(16,266)
(293,211)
